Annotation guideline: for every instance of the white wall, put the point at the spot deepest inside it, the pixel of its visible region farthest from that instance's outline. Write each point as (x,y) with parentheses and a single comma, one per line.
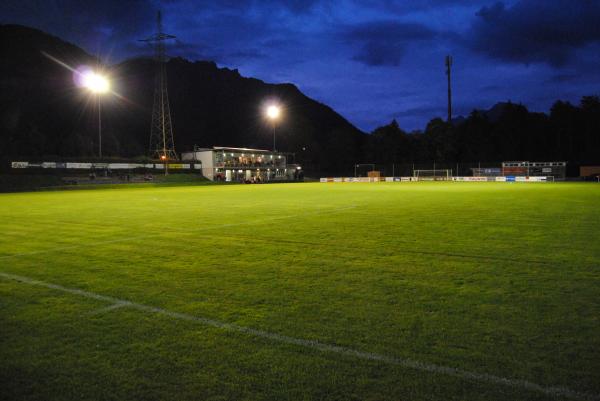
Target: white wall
(208,165)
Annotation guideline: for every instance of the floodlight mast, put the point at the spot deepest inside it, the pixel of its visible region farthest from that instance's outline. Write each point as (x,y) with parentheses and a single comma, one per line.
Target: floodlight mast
(356,166)
(448,72)
(273,113)
(98,85)
(162,144)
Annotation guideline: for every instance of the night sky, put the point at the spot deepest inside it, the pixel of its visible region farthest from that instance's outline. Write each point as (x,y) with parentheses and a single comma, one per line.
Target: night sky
(371,61)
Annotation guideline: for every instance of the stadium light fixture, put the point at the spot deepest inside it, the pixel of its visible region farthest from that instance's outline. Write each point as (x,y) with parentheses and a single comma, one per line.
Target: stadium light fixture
(96,83)
(273,112)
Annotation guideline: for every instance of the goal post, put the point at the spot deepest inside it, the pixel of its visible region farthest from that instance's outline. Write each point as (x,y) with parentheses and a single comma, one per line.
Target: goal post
(433,175)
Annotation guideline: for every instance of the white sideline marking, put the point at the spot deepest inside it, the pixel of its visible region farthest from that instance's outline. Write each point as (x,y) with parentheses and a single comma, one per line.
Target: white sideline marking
(113,241)
(554,391)
(110,308)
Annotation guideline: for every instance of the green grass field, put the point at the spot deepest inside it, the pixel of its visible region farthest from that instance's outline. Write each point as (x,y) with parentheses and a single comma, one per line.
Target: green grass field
(383,291)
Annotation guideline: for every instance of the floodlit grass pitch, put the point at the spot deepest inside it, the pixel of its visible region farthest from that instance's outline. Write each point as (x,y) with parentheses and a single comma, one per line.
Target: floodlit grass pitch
(316,291)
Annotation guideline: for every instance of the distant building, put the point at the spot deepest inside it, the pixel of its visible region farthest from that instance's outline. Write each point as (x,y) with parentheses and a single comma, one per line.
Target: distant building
(533,169)
(589,171)
(486,172)
(243,164)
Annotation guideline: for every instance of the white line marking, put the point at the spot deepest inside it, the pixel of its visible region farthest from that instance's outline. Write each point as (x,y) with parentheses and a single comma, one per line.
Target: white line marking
(110,308)
(554,391)
(113,241)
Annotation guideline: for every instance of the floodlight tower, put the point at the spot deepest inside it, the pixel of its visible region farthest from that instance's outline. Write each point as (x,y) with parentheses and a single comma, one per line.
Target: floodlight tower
(162,145)
(98,85)
(273,113)
(448,69)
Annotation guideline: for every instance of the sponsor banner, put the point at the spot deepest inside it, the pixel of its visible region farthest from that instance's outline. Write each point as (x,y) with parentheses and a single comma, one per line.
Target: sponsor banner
(122,166)
(101,166)
(407,179)
(473,179)
(85,166)
(178,166)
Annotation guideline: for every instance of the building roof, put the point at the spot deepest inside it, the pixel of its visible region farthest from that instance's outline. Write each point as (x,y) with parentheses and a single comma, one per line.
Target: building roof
(230,149)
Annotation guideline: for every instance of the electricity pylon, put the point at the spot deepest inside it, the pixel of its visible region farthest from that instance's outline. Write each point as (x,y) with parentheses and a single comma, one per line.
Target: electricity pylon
(162,145)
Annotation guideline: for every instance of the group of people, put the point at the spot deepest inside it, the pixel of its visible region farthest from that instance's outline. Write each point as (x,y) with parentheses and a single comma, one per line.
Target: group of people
(253,180)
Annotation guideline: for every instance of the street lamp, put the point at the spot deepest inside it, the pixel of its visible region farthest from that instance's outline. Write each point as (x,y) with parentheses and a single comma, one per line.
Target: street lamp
(273,113)
(165,163)
(98,85)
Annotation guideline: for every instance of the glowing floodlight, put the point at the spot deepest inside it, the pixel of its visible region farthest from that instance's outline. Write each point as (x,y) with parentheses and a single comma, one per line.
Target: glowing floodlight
(95,82)
(273,112)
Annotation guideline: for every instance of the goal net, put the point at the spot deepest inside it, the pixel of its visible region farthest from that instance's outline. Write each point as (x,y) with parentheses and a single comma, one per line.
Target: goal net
(433,175)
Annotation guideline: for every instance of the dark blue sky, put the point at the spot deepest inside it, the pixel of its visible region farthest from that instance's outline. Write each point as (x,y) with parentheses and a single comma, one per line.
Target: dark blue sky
(371,61)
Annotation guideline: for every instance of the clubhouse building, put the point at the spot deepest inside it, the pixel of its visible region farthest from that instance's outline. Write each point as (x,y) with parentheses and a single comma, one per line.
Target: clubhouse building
(243,164)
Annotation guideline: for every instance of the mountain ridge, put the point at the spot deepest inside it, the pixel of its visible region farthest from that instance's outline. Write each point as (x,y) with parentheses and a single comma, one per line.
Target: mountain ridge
(44,113)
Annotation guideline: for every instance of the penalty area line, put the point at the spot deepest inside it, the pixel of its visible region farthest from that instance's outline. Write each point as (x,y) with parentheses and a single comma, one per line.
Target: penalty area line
(553,391)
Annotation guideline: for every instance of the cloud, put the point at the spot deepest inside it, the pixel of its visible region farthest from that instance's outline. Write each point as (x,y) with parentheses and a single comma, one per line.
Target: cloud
(244,6)
(310,43)
(431,110)
(536,30)
(384,43)
(560,78)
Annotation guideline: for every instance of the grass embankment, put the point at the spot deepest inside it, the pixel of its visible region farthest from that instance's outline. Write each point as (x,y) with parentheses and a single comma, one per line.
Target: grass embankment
(47,182)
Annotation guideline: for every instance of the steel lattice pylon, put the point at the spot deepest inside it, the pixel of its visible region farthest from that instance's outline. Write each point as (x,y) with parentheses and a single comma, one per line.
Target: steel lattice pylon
(162,145)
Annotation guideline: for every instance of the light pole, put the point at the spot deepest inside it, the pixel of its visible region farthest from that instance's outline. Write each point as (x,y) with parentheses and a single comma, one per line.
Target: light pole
(165,163)
(273,113)
(98,85)
(356,166)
